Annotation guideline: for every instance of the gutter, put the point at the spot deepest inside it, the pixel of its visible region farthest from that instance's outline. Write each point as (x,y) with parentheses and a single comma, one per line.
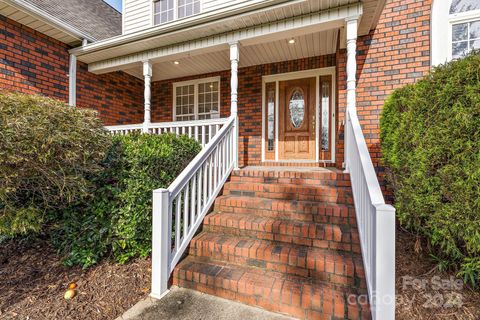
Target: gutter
(49,19)
(192,21)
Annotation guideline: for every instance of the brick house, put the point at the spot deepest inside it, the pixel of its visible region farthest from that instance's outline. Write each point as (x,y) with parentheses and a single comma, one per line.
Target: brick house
(289,91)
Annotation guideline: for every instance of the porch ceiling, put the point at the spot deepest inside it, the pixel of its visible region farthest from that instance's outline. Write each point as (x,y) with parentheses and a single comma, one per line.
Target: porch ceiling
(306,45)
(199,36)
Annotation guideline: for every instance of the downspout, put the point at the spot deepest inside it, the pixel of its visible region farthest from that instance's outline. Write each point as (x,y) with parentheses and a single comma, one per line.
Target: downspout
(72,81)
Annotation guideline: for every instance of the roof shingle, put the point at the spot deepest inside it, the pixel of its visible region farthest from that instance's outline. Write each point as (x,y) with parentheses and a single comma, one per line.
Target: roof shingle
(93,17)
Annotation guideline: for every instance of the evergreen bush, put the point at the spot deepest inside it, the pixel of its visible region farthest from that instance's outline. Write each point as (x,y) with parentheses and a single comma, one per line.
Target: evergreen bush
(430,135)
(117,220)
(48,151)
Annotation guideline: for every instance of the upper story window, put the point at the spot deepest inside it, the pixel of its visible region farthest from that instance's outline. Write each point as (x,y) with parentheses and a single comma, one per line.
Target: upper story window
(460,35)
(465,27)
(169,10)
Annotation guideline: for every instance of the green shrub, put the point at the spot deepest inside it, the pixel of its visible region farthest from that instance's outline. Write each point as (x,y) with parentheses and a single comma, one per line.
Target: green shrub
(431,147)
(47,152)
(117,220)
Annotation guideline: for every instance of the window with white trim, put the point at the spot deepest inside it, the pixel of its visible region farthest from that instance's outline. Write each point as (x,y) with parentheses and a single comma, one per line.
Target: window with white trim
(460,35)
(196,100)
(168,10)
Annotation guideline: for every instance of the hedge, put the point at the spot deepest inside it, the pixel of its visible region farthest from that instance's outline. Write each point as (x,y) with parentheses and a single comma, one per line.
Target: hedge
(47,152)
(117,220)
(430,134)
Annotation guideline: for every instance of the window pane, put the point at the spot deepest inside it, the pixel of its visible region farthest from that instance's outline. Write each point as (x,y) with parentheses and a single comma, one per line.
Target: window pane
(271,118)
(475,29)
(163,11)
(208,98)
(459,49)
(475,44)
(185,103)
(460,31)
(464,5)
(325,100)
(296,107)
(196,7)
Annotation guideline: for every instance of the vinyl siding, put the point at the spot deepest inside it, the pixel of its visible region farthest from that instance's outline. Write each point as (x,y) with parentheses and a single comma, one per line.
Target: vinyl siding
(137,15)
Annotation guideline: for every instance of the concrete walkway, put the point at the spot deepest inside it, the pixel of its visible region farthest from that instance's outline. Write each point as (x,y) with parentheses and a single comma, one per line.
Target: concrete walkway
(185,304)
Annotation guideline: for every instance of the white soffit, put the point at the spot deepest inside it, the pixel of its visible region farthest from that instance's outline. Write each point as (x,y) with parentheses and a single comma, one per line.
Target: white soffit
(308,45)
(159,37)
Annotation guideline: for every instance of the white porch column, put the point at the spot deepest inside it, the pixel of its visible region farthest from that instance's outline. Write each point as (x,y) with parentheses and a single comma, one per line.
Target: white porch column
(352,26)
(234,58)
(72,81)
(147,74)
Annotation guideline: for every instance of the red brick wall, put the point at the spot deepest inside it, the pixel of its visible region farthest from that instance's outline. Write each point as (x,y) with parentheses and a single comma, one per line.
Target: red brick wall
(396,53)
(31,62)
(249,99)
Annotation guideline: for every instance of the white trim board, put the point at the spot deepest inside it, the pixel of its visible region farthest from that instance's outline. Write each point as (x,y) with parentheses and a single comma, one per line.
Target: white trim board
(300,75)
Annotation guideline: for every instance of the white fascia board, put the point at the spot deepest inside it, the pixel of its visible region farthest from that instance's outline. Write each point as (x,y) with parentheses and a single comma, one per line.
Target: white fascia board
(49,19)
(309,23)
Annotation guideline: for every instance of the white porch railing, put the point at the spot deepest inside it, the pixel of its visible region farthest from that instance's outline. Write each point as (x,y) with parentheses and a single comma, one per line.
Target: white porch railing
(179,210)
(376,222)
(200,130)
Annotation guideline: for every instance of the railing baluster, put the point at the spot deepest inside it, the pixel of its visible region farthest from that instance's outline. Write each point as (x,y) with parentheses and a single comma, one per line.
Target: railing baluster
(203,136)
(210,174)
(215,167)
(178,221)
(185,211)
(205,183)
(193,206)
(199,195)
(195,136)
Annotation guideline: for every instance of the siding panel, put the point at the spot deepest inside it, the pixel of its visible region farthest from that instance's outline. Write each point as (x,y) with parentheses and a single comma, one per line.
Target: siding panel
(137,15)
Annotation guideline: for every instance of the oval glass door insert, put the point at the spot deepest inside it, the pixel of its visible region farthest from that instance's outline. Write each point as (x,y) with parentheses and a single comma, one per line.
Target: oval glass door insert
(297,108)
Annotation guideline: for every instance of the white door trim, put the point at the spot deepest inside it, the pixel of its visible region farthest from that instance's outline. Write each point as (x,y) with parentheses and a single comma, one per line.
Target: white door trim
(300,75)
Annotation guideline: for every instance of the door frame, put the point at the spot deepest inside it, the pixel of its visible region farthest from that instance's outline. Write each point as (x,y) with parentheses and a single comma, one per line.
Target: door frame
(276,78)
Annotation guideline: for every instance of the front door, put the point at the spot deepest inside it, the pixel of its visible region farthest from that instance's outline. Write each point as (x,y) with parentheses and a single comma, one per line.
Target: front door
(296,139)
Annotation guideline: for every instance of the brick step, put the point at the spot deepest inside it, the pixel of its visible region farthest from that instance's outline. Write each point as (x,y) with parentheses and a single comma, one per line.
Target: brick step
(320,212)
(294,174)
(336,267)
(289,191)
(325,236)
(278,292)
(290,180)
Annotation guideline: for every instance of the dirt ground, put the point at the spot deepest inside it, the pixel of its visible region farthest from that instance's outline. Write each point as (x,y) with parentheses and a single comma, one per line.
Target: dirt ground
(424,293)
(33,282)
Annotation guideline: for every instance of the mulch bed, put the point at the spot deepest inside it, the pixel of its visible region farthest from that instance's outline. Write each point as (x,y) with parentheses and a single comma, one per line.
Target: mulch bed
(427,293)
(33,281)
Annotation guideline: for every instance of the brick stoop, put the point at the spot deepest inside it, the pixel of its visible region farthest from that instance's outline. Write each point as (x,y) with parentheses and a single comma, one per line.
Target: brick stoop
(283,239)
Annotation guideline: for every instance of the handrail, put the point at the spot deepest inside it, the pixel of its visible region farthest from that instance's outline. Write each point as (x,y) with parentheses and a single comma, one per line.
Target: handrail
(193,166)
(179,210)
(200,130)
(376,222)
